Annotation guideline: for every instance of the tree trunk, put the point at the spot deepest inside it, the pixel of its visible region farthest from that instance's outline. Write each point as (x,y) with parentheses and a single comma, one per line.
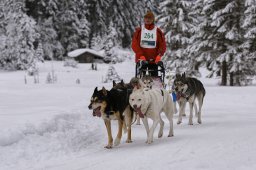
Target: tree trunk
(231,80)
(224,73)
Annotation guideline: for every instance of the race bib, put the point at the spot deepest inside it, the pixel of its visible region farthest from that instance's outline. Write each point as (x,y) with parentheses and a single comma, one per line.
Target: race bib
(148,37)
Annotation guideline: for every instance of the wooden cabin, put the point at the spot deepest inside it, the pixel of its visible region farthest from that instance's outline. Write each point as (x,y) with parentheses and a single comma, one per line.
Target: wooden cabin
(86,55)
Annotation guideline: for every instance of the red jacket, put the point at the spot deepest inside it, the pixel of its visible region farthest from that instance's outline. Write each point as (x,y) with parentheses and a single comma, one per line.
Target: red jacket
(149,53)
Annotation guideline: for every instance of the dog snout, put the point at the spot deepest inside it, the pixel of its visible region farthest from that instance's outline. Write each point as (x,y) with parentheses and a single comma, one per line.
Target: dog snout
(135,106)
(90,107)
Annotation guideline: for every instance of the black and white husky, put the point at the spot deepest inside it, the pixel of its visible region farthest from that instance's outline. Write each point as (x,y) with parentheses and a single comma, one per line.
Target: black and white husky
(113,105)
(187,90)
(147,81)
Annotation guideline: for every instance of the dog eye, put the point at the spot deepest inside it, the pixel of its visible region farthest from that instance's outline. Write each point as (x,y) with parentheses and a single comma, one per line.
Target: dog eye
(132,99)
(139,99)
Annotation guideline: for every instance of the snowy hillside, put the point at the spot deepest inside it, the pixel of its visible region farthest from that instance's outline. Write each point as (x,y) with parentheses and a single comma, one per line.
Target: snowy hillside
(49,127)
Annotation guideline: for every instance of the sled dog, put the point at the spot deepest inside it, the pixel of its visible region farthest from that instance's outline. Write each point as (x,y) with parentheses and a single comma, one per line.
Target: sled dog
(149,103)
(113,105)
(137,83)
(188,89)
(147,82)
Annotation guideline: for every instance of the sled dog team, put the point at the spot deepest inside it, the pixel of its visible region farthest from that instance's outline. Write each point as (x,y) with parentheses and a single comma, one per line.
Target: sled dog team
(138,99)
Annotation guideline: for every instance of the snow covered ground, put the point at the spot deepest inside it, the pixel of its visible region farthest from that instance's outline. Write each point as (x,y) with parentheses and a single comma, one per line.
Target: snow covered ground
(49,127)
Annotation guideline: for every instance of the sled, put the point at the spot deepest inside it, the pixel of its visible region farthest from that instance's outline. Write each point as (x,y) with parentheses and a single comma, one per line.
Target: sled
(158,80)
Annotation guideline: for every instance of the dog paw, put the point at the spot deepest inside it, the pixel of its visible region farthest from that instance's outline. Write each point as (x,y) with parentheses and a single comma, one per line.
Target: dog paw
(199,121)
(160,135)
(117,141)
(170,135)
(149,141)
(128,141)
(190,123)
(179,122)
(108,147)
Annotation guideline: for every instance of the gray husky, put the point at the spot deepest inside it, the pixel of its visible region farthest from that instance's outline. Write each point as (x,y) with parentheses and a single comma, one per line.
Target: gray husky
(147,81)
(187,90)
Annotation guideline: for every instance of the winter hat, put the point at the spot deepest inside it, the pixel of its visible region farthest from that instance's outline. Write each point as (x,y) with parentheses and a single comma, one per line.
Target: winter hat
(150,15)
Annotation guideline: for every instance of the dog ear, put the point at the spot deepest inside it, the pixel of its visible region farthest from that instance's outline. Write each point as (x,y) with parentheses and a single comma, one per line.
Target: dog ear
(178,76)
(141,84)
(183,75)
(114,83)
(122,82)
(104,91)
(96,90)
(135,88)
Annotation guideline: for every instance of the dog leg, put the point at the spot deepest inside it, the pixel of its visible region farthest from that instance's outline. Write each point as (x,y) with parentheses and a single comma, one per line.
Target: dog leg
(182,105)
(151,131)
(138,120)
(200,103)
(110,138)
(145,123)
(160,133)
(128,120)
(191,113)
(175,107)
(170,119)
(119,134)
(196,111)
(183,109)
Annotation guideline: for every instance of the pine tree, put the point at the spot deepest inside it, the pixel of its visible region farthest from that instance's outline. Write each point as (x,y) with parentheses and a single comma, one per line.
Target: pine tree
(45,13)
(97,18)
(220,37)
(249,45)
(203,45)
(196,18)
(176,25)
(111,75)
(67,22)
(72,25)
(109,42)
(126,15)
(19,51)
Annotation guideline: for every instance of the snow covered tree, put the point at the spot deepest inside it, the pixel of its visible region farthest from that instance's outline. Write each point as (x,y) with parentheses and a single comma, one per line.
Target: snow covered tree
(3,24)
(19,50)
(219,38)
(96,16)
(126,15)
(110,41)
(249,25)
(111,75)
(67,22)
(177,25)
(249,45)
(45,12)
(72,25)
(227,21)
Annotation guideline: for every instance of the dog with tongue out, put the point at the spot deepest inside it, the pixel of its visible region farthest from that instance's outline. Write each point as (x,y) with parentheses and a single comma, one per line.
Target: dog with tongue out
(113,105)
(150,103)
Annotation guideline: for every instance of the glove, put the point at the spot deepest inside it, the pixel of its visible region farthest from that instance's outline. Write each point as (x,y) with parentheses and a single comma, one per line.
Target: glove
(142,58)
(158,58)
